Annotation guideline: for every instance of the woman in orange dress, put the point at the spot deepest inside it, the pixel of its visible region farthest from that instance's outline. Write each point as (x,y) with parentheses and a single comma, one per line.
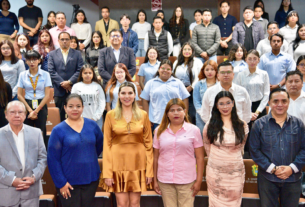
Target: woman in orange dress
(224,138)
(128,152)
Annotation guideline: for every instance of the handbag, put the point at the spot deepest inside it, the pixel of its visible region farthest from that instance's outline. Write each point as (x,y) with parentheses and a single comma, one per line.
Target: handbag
(177,40)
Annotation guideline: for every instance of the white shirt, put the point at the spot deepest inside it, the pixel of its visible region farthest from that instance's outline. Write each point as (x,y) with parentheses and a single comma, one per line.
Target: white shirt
(300,50)
(141,29)
(83,32)
(297,108)
(94,99)
(169,41)
(19,141)
(116,53)
(182,74)
(257,84)
(289,33)
(240,94)
(264,46)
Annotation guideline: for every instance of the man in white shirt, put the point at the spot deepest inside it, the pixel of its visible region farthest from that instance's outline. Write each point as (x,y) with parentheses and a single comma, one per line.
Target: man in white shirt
(23,159)
(294,84)
(264,45)
(225,76)
(159,38)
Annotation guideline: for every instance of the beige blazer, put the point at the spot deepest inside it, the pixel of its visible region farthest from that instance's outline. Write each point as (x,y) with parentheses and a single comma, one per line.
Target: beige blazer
(100,26)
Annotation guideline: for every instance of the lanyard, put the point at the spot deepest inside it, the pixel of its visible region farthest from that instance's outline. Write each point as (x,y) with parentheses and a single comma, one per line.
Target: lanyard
(34,85)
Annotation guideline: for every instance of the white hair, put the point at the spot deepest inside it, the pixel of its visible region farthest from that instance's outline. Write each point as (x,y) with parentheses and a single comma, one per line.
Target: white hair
(12,103)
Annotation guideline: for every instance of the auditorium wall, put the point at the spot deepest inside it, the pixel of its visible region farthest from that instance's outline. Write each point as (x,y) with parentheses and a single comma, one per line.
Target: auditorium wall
(271,6)
(91,9)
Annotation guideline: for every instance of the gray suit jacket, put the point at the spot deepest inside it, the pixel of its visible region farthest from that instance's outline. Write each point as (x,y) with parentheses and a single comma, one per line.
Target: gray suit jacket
(10,165)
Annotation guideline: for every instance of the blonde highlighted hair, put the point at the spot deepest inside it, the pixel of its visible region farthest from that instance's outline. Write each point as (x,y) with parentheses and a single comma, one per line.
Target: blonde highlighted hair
(136,111)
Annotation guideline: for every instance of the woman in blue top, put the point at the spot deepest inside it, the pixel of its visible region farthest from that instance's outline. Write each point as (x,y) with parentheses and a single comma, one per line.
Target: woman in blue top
(120,75)
(237,58)
(9,25)
(159,90)
(36,84)
(150,66)
(282,12)
(73,151)
(44,47)
(186,69)
(207,78)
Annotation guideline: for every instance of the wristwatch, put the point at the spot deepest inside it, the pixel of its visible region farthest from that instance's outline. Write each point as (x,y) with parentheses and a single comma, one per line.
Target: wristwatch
(70,82)
(280,86)
(274,169)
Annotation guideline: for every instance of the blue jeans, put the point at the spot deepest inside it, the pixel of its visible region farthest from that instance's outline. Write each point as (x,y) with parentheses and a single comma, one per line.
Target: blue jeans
(270,192)
(211,58)
(141,52)
(199,123)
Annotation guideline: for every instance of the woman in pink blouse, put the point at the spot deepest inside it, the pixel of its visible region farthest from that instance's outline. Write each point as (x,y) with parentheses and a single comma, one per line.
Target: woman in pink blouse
(224,138)
(175,143)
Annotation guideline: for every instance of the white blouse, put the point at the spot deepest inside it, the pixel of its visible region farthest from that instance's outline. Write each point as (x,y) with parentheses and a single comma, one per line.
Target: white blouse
(257,84)
(289,33)
(300,50)
(83,32)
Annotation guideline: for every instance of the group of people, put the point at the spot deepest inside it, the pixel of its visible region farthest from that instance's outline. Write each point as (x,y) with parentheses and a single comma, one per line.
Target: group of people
(250,106)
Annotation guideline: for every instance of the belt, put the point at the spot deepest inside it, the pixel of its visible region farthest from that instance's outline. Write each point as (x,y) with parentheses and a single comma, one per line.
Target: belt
(223,38)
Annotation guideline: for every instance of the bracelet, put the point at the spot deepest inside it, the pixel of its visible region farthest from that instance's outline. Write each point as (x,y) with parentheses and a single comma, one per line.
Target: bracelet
(257,112)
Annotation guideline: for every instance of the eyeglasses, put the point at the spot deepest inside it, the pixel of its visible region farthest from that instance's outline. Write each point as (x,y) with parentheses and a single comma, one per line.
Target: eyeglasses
(226,72)
(222,105)
(252,59)
(187,49)
(302,65)
(5,48)
(116,36)
(272,28)
(165,69)
(32,60)
(13,113)
(65,39)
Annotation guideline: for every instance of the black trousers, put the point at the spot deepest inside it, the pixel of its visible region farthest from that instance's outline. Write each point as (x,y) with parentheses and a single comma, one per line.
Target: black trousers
(41,121)
(224,51)
(59,102)
(254,106)
(81,196)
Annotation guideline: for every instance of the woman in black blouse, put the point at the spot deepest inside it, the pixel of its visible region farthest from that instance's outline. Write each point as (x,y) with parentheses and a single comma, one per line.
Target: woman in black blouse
(92,51)
(5,97)
(179,29)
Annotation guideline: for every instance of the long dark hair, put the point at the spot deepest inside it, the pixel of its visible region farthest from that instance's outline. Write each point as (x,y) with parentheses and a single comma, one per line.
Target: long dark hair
(41,47)
(14,58)
(141,11)
(49,25)
(290,14)
(302,57)
(88,66)
(190,61)
(76,40)
(151,48)
(161,11)
(101,45)
(234,50)
(215,127)
(80,11)
(297,40)
(282,7)
(3,92)
(172,21)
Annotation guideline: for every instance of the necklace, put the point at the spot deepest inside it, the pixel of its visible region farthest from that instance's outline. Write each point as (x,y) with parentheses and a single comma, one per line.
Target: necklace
(209,85)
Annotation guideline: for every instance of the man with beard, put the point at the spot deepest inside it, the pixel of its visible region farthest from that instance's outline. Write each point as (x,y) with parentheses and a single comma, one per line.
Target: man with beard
(30,18)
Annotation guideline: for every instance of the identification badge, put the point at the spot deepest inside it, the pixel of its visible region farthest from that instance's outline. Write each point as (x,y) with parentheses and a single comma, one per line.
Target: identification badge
(34,104)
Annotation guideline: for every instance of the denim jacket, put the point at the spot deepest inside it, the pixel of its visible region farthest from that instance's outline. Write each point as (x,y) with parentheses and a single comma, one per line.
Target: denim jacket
(198,92)
(271,145)
(133,41)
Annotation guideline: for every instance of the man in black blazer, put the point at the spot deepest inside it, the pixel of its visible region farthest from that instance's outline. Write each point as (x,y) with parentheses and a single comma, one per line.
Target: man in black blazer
(110,56)
(64,65)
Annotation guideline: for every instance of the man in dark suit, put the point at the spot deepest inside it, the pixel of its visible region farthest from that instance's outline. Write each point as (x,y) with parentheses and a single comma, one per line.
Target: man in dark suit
(64,65)
(110,56)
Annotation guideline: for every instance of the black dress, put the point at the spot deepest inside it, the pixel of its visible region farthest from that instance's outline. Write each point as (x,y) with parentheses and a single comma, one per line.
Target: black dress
(9,94)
